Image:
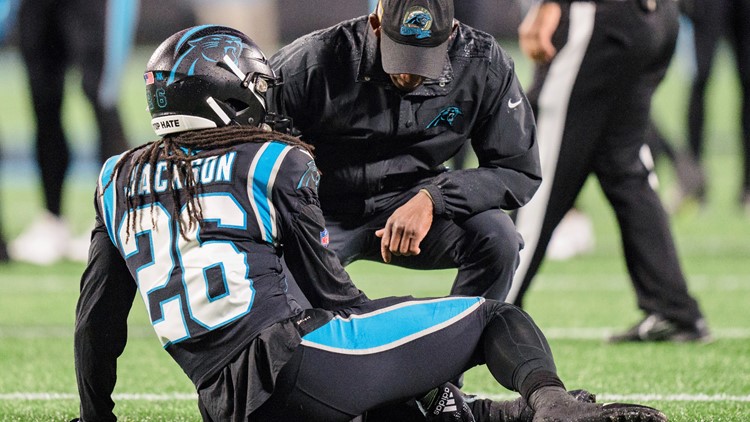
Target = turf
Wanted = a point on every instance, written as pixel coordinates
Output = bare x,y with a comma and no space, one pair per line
577,303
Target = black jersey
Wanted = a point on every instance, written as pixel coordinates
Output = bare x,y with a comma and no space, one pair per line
213,288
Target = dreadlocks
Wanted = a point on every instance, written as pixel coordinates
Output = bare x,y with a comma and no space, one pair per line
179,151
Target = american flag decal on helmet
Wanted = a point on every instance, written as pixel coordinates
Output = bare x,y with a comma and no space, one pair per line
148,77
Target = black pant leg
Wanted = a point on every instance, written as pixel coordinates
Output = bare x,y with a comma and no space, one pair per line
45,53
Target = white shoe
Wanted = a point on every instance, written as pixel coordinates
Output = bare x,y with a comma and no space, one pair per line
78,248
573,236
45,242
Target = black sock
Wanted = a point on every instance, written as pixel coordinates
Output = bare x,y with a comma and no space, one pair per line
537,380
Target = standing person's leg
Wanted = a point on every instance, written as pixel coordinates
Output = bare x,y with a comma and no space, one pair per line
6,23
649,248
45,53
741,28
44,50
3,245
570,114
102,37
708,27
648,245
625,171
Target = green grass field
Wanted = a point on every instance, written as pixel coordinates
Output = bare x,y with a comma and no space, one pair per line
576,302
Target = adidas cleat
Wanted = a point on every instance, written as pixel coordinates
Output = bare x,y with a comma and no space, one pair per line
448,405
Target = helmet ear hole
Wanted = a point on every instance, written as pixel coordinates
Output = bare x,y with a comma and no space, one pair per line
237,105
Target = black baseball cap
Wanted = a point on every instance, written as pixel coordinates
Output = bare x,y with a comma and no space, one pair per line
414,36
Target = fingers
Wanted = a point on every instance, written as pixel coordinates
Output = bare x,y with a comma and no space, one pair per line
385,240
396,240
536,30
409,245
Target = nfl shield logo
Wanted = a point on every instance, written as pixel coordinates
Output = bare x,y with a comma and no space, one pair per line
324,238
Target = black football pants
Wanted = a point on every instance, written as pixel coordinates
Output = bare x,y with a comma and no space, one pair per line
592,104
325,383
484,247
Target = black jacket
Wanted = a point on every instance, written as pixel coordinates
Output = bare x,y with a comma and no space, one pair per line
372,139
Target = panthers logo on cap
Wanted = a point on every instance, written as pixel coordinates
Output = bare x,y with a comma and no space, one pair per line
417,21
212,49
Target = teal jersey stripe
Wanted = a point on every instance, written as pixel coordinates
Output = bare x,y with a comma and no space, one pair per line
390,327
262,176
107,200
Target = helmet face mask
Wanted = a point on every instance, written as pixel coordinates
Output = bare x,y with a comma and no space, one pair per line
207,76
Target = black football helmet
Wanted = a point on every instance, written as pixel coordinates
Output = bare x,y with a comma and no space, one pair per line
207,76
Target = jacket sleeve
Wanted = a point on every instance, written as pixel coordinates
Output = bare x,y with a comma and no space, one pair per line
504,140
106,296
316,269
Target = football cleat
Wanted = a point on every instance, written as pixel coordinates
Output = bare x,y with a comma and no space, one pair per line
657,328
514,410
448,405
594,412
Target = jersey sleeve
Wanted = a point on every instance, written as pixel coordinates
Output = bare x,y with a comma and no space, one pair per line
106,295
505,143
316,269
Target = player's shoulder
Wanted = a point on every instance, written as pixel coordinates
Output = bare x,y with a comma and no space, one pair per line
108,168
276,158
297,168
276,151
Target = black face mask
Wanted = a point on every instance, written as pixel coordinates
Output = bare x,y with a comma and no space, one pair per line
281,123
277,121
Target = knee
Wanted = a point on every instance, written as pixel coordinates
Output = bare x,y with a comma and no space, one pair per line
493,234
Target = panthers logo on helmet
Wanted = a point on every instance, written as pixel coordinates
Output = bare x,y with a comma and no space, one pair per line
211,48
447,115
417,21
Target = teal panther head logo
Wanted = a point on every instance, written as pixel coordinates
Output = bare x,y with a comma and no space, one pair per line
211,49
447,115
417,21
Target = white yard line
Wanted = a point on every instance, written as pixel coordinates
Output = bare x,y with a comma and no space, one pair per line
557,333
634,398
596,333
602,397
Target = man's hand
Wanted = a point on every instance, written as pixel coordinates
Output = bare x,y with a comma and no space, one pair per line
535,32
406,227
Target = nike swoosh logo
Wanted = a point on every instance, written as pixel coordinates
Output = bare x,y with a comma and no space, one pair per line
512,104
